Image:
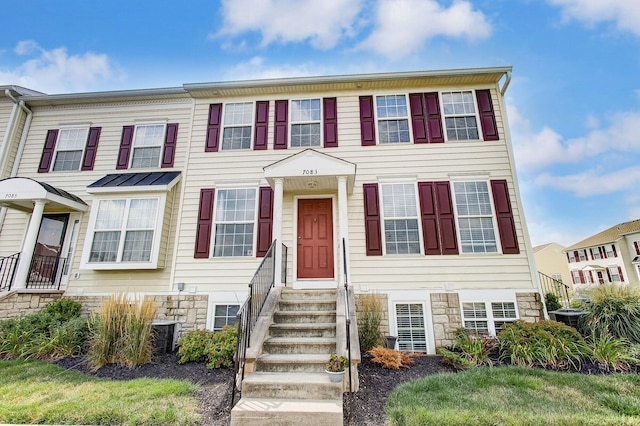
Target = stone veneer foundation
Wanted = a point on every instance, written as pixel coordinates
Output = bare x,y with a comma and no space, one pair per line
446,317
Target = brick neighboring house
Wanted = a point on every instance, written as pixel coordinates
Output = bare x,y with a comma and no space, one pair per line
612,255
404,182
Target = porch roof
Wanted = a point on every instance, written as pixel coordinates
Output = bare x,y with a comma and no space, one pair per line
19,193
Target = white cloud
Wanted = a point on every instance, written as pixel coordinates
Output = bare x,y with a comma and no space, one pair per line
323,23
536,150
624,13
594,181
55,71
404,26
255,68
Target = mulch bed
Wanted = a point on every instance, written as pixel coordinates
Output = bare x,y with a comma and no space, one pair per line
376,383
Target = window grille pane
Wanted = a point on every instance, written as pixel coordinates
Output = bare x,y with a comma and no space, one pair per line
391,106
399,200
142,213
480,327
104,247
475,217
110,214
137,246
411,329
402,236
305,110
474,310
233,240
225,315
393,131
305,135
503,309
236,138
235,205
145,157
67,160
147,136
238,114
500,325
460,119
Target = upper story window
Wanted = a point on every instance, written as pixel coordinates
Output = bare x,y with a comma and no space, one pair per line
393,119
610,250
614,273
576,276
305,122
475,217
147,146
70,148
595,253
237,125
582,254
460,116
400,218
572,256
235,216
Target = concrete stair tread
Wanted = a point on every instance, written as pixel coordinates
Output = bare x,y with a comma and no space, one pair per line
302,313
304,325
303,378
300,340
311,406
294,358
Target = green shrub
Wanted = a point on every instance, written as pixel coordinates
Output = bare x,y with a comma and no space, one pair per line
547,344
369,320
613,309
121,332
64,309
552,302
68,339
611,353
469,350
217,348
454,359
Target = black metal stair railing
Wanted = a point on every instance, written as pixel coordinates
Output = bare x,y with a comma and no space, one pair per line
8,270
261,284
46,272
556,287
347,315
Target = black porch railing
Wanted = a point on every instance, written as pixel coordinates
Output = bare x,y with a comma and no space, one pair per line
556,287
8,270
46,272
347,315
262,282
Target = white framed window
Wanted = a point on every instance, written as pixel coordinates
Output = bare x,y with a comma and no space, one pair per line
609,250
557,277
575,274
582,254
124,233
306,119
460,118
235,217
411,327
70,148
148,141
572,256
614,272
392,116
400,218
224,315
595,253
237,125
488,317
476,228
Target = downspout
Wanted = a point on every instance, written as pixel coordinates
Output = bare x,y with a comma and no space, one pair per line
10,126
506,84
23,140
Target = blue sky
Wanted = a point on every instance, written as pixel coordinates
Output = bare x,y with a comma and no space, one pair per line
573,103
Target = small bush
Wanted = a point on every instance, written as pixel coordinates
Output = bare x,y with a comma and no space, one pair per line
369,320
217,348
548,344
611,353
336,363
392,359
613,309
552,302
469,350
121,332
63,309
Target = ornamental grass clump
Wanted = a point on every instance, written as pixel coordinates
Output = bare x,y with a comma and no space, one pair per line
121,332
469,350
613,309
369,321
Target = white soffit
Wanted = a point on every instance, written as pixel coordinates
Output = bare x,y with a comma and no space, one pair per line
20,194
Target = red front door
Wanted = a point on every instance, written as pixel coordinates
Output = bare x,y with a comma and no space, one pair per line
315,238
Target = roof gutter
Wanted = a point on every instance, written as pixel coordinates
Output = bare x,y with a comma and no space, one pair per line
506,83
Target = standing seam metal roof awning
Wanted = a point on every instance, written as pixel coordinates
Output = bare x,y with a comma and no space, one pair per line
142,181
19,193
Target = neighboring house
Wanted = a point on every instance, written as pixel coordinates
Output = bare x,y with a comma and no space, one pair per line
402,183
552,262
612,255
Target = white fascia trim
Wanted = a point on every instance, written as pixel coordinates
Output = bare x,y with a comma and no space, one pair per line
469,176
236,183
397,178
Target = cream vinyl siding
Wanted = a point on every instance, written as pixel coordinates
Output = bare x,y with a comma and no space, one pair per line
111,118
424,162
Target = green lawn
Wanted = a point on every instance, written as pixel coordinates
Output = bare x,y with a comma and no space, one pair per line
38,392
517,396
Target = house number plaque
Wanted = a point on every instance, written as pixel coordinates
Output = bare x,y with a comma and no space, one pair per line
310,171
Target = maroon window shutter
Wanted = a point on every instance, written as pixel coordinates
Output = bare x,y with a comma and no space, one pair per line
504,217
48,151
265,220
603,253
573,278
91,149
637,247
609,275
330,122
213,128
581,276
372,219
367,121
262,126
615,253
446,219
125,147
487,115
170,141
205,223
418,119
621,276
434,119
430,234
280,137
575,256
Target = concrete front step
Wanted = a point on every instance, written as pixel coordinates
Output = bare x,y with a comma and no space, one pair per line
286,412
327,329
290,386
307,305
299,345
292,363
289,294
280,317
